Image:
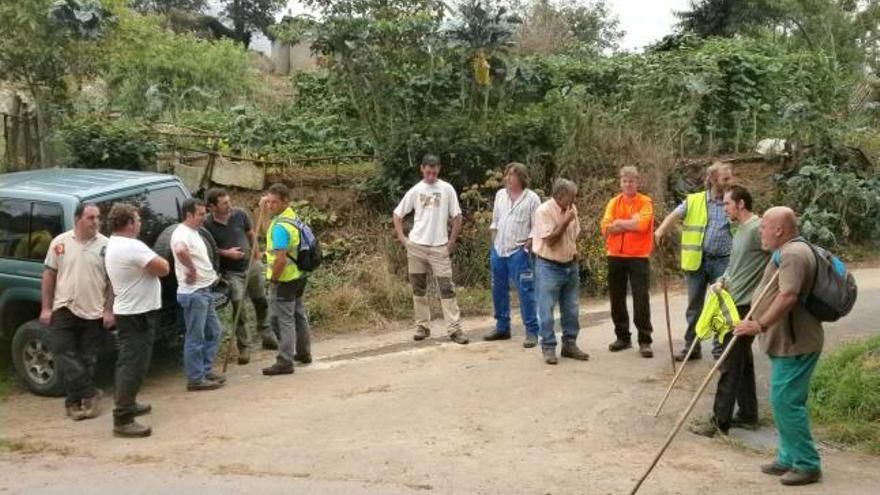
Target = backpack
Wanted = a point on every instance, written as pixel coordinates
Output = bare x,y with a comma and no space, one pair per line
308,256
834,289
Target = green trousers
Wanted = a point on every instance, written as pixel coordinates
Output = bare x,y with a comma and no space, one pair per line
789,385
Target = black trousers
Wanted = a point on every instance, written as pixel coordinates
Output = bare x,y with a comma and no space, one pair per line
135,334
77,342
736,382
636,271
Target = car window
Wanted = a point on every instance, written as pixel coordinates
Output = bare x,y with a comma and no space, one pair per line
158,209
27,228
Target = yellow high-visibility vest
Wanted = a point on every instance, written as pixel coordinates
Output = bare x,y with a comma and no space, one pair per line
693,230
719,315
291,271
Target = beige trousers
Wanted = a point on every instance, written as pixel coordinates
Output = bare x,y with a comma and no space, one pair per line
436,258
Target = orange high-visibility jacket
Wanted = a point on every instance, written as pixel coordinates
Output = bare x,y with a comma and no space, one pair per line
630,244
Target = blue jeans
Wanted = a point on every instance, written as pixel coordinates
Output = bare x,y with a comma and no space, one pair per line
557,282
697,282
515,268
202,336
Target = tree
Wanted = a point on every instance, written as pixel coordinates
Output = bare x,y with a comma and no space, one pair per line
845,29
42,43
561,26
165,7
248,16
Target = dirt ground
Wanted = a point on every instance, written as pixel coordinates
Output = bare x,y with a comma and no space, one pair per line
379,414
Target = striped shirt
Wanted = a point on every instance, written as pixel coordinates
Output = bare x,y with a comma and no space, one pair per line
512,220
718,239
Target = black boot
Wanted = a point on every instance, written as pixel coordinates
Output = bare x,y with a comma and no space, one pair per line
281,367
571,350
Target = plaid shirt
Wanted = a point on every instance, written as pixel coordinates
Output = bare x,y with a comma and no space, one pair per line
718,238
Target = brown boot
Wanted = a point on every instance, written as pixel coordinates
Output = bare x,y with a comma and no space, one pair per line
281,367
796,477
774,469
549,354
132,430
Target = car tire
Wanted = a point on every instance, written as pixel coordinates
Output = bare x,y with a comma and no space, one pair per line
34,359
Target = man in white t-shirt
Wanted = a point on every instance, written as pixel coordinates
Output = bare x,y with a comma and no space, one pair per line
195,277
134,271
429,245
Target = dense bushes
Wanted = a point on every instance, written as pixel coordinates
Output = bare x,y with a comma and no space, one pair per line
104,143
152,71
836,206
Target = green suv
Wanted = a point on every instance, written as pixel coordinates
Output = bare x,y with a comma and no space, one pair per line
37,205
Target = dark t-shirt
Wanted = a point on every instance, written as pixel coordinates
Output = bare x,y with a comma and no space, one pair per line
232,234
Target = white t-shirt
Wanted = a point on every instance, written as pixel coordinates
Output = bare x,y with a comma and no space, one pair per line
137,291
434,205
198,251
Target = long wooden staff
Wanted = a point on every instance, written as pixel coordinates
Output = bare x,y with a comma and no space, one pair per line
700,391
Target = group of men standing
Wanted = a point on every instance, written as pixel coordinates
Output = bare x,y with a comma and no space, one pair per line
724,245
91,281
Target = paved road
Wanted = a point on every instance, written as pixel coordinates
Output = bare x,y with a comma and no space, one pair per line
378,414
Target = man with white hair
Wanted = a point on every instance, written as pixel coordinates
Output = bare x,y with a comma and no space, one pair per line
706,240
554,241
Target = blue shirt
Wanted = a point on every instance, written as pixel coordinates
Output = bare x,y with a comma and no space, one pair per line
280,237
718,237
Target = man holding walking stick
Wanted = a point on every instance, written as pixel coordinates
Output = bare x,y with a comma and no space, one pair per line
793,338
705,246
736,382
236,242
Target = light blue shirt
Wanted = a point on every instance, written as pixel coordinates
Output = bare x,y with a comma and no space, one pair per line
280,237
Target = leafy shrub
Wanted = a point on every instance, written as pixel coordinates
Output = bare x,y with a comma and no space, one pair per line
835,206
109,143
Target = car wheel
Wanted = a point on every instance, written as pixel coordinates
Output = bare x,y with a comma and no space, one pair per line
34,359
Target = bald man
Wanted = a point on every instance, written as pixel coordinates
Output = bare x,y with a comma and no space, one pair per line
793,339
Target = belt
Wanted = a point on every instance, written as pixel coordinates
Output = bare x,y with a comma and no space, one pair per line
554,262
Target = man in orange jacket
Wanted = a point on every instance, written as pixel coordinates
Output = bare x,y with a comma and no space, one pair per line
628,227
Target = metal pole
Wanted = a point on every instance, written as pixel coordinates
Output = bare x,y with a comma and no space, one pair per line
700,391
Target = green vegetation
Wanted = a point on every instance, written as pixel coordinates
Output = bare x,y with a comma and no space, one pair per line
479,82
845,395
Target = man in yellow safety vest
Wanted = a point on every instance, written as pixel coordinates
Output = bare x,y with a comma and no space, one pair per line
286,283
706,240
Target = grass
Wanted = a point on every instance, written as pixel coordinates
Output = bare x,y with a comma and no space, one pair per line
845,396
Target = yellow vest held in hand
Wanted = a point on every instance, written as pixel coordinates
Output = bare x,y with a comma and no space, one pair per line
291,271
693,230
719,315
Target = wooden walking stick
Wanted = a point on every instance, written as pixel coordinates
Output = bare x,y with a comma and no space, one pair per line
668,324
696,397
677,375
237,313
